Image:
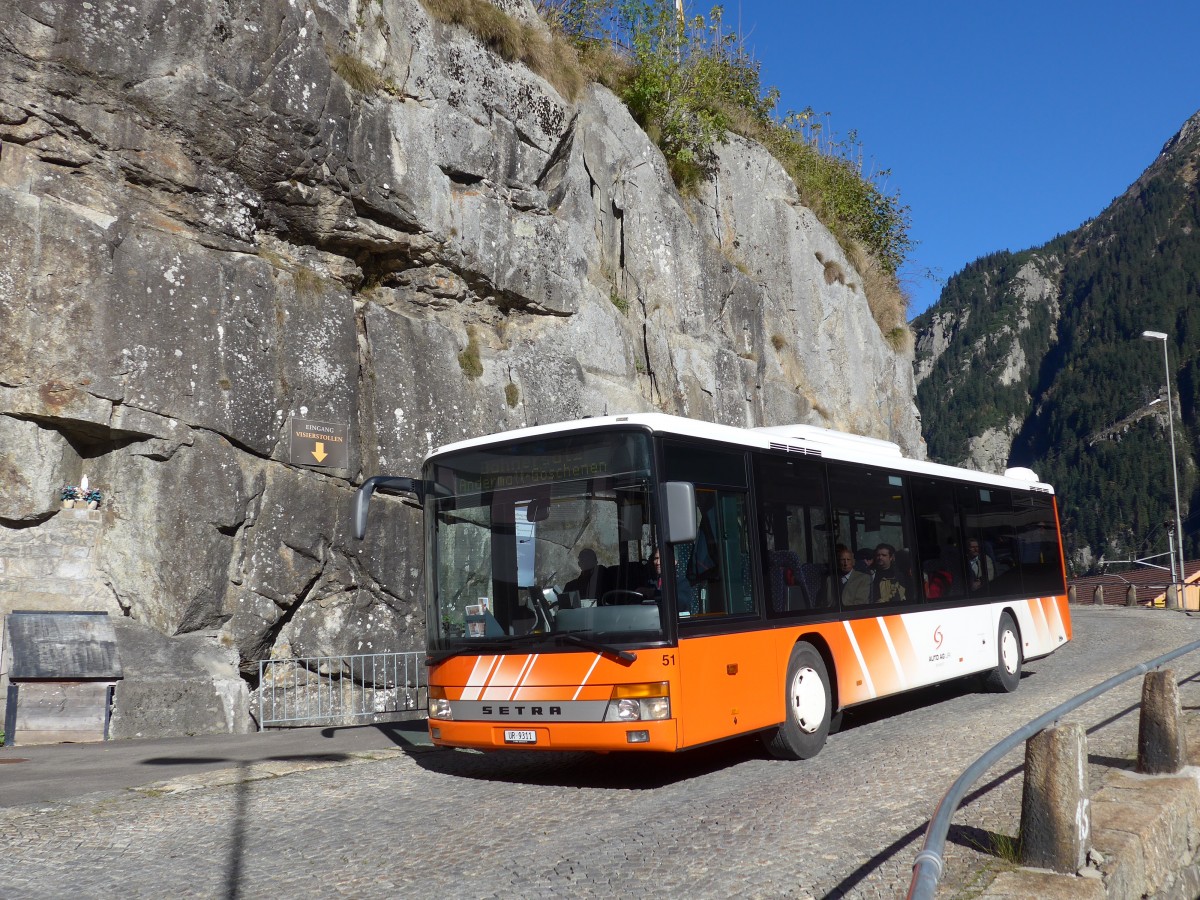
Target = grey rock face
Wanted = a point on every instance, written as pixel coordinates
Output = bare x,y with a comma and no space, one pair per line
184,685
989,451
207,230
933,340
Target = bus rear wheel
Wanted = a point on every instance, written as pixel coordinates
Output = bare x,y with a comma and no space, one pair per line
1007,675
809,707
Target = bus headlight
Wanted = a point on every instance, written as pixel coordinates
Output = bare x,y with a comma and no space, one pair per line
439,706
656,708
639,702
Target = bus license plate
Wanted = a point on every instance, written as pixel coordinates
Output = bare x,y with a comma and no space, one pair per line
520,737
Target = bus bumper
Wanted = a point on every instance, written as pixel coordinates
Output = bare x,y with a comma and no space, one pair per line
595,736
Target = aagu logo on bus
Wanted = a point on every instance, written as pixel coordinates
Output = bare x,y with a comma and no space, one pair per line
937,645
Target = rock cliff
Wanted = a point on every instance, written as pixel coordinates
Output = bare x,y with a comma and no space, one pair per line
217,217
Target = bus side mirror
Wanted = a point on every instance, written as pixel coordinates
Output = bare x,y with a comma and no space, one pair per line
362,497
679,499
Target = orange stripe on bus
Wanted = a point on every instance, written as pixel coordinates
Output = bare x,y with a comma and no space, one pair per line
510,670
1054,616
884,676
905,650
851,679
1064,615
1039,622
478,678
524,674
583,682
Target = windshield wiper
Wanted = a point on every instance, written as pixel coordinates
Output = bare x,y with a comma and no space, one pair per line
432,659
567,637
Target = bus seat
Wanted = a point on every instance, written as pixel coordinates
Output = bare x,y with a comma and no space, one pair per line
523,620
783,573
811,577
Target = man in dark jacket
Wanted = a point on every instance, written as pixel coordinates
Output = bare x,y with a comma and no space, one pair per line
889,584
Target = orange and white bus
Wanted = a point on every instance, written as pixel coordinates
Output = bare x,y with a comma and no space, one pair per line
648,582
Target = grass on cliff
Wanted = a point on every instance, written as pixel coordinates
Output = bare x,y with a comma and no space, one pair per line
689,83
357,73
554,59
468,358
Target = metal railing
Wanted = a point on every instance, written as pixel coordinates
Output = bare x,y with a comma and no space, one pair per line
927,868
340,690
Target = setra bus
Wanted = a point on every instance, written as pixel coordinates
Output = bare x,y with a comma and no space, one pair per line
649,582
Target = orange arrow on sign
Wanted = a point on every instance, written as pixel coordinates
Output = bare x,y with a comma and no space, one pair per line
320,453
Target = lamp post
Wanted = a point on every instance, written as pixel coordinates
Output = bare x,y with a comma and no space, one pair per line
1178,536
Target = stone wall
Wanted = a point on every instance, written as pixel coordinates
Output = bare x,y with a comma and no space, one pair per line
184,685
206,231
1144,840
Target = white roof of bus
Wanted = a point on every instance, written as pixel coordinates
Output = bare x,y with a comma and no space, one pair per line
807,439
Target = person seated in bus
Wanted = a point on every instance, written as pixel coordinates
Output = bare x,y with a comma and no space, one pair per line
589,582
889,583
939,580
853,585
943,575
980,568
651,587
864,560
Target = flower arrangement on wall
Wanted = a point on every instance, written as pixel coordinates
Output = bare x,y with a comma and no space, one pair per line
80,495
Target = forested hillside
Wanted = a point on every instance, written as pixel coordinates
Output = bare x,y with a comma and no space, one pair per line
1034,359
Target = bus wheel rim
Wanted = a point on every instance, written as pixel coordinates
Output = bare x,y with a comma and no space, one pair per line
1009,652
808,699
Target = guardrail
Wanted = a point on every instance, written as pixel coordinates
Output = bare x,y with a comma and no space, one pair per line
340,690
927,868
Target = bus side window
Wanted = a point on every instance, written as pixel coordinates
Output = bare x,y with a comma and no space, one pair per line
1037,533
715,575
794,536
992,555
870,512
938,533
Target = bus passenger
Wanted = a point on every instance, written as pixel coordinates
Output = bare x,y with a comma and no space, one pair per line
853,585
888,584
651,589
981,568
587,582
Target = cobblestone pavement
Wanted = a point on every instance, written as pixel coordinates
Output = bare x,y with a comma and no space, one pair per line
725,821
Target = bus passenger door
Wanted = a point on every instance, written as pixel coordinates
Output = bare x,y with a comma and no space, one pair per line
730,685
728,673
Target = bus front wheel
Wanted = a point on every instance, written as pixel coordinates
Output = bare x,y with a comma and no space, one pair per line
1007,675
809,707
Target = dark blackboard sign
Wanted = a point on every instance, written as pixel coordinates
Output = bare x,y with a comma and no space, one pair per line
62,645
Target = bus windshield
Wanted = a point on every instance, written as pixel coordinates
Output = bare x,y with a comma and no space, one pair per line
540,539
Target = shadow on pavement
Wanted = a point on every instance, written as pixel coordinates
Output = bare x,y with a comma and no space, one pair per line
286,757
625,771
964,836
237,842
411,734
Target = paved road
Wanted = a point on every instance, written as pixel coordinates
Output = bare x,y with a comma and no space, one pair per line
722,822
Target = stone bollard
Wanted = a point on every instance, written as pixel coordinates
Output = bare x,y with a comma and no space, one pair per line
1098,595
1172,597
1162,747
1072,595
1055,819
1131,596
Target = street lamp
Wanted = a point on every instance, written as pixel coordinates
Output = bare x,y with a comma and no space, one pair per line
1178,536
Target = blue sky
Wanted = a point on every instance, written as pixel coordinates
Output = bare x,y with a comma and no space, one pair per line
1004,124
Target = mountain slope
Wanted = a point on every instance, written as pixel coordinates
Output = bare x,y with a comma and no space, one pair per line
1033,359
